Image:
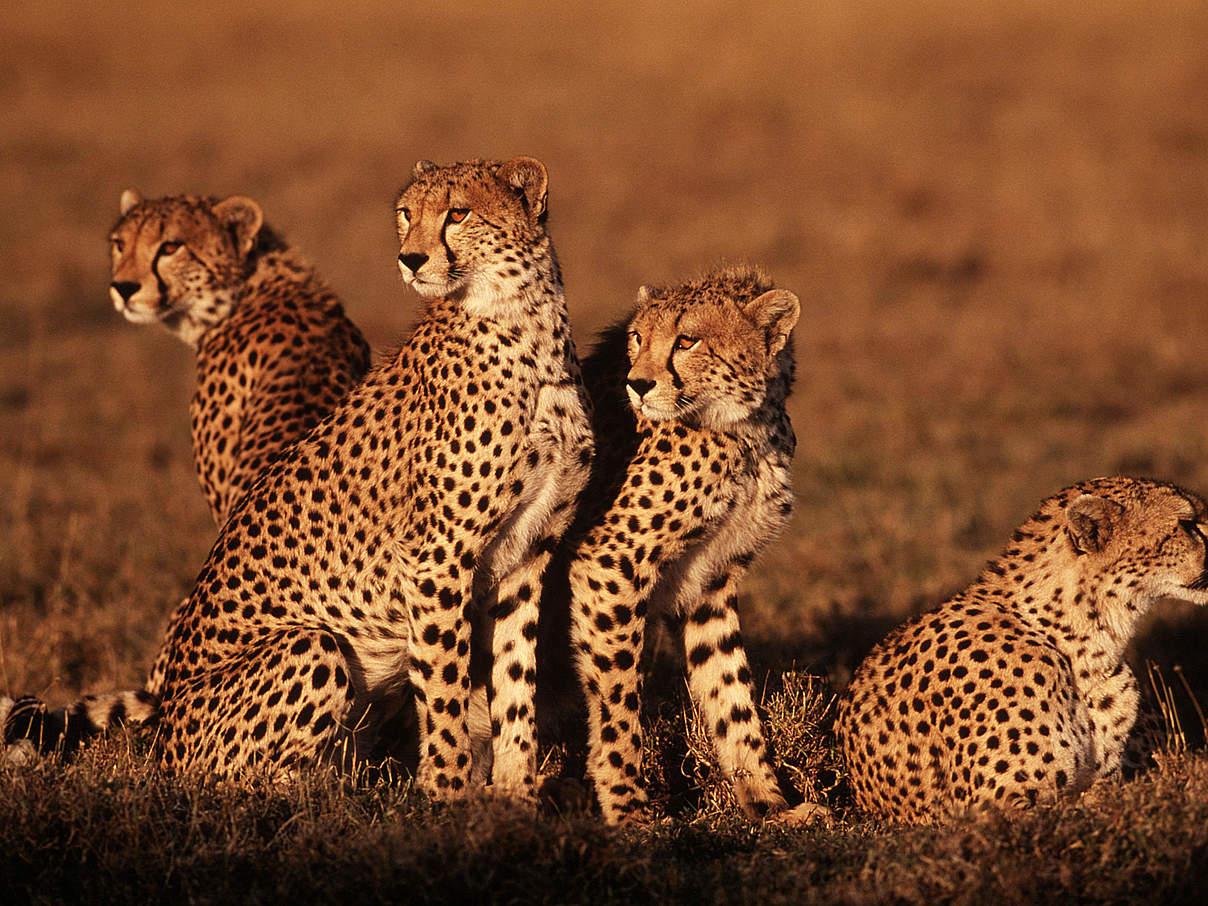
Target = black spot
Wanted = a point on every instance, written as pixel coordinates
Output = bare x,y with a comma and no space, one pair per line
319,678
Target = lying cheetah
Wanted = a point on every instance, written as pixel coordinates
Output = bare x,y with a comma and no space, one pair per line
440,483
275,353
701,490
1014,691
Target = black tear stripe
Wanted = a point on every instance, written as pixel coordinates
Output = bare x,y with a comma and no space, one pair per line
676,381
449,256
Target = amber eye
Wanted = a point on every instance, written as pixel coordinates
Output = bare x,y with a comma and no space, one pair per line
635,338
686,342
118,245
457,215
169,248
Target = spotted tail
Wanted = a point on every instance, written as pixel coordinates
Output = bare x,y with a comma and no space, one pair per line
28,723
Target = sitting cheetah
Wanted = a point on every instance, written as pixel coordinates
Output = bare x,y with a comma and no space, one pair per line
275,353
705,484
1014,691
440,483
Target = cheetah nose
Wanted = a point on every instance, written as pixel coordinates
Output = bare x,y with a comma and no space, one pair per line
413,261
125,289
640,385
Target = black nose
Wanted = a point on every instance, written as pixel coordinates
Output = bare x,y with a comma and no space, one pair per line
640,386
125,289
414,261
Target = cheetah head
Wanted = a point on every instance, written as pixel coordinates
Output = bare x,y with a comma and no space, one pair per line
470,230
1139,541
709,351
177,261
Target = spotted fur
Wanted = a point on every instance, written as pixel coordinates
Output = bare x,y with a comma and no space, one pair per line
436,488
691,501
275,353
1015,691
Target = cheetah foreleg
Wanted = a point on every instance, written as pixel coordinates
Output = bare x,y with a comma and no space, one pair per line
440,676
514,677
609,594
720,681
562,444
1113,704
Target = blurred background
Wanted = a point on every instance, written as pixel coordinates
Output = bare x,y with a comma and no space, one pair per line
995,214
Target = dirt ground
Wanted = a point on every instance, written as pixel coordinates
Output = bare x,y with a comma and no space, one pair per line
995,214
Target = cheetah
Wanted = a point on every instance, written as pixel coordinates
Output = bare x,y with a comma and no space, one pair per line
700,490
1015,690
275,353
437,488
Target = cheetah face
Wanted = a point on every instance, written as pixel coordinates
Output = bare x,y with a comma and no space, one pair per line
467,230
175,260
706,361
1147,544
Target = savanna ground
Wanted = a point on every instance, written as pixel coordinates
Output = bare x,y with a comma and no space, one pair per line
996,215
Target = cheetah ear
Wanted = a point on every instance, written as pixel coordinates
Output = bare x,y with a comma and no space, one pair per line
421,167
644,294
129,199
527,176
776,312
1091,522
243,218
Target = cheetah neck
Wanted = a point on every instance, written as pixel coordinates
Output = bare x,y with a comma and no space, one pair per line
277,275
754,431
278,269
197,322
533,292
531,325
1088,620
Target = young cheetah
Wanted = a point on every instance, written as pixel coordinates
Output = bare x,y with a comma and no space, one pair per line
704,486
275,353
1014,691
441,483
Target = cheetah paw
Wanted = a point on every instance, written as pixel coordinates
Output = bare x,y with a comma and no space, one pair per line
21,753
564,795
803,815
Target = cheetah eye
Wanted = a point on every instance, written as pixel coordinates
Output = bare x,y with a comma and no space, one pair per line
118,245
457,215
404,214
683,342
635,338
170,248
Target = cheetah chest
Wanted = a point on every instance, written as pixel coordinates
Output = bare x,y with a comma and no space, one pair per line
734,496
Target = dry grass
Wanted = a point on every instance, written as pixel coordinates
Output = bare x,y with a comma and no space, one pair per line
996,216
684,777
109,828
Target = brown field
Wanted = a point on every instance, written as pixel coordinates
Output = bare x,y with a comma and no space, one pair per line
996,217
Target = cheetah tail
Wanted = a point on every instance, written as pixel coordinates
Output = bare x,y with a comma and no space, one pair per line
27,722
